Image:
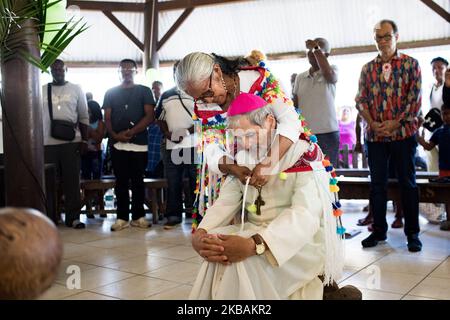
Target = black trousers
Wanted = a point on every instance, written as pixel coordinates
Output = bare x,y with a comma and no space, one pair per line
66,158
180,163
129,166
400,155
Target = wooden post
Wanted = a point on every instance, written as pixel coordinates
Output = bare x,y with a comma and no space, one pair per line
22,128
150,59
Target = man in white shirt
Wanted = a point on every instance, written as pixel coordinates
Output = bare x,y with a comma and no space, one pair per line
68,103
176,123
439,65
314,93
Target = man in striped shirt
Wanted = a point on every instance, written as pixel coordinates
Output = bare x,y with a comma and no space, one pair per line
389,99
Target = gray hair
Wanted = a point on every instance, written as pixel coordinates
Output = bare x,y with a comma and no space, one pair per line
194,67
256,117
391,22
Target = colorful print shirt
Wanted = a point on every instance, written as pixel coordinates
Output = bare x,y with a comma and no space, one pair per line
391,91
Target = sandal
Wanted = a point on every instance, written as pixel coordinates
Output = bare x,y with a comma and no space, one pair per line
365,221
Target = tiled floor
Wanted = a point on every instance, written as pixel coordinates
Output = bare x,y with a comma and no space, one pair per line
158,264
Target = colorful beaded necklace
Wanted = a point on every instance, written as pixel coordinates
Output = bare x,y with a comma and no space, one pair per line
210,127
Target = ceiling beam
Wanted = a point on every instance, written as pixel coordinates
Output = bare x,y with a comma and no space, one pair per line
107,6
184,4
363,49
139,7
124,29
174,27
438,9
287,55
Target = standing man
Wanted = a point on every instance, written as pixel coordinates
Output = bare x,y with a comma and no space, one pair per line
157,89
439,65
155,167
177,126
314,93
389,99
129,109
68,104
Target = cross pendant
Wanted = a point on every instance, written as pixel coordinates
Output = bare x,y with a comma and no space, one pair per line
259,202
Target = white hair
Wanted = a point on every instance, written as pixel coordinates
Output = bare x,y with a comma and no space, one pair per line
256,117
195,67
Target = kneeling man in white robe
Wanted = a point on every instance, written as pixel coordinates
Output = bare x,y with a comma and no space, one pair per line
288,236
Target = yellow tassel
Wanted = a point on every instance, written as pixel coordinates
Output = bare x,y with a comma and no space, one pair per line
283,175
334,188
251,208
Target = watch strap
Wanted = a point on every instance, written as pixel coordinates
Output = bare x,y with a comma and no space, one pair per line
257,238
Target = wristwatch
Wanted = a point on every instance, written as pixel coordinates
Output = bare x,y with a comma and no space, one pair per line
260,246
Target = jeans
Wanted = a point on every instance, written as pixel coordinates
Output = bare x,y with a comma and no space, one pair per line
180,163
402,154
129,166
329,143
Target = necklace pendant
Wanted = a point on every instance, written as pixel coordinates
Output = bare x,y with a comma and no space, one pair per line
126,107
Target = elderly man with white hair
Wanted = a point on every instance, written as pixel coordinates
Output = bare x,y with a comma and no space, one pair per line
314,93
286,234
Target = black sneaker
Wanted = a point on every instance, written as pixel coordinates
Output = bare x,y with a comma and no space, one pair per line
414,244
172,223
373,239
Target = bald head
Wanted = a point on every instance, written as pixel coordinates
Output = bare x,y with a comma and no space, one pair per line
31,251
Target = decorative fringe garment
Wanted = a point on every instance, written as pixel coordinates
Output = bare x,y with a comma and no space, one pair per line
210,128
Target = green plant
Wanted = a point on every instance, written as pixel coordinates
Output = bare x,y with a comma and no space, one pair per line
15,32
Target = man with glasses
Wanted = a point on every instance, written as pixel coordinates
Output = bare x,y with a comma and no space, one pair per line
129,109
389,100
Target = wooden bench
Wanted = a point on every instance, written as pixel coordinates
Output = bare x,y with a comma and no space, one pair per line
344,161
359,188
93,189
364,173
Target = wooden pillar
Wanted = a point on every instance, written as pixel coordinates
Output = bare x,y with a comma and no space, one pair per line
22,128
150,59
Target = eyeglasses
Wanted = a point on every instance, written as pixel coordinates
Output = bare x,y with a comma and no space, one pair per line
386,37
209,93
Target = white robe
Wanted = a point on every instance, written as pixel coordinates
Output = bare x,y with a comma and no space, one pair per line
291,224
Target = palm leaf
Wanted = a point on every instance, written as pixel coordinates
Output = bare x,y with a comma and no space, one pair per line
14,34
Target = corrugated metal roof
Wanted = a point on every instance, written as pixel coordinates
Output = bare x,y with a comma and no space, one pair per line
272,26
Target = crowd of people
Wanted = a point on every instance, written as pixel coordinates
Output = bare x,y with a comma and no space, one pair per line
228,129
